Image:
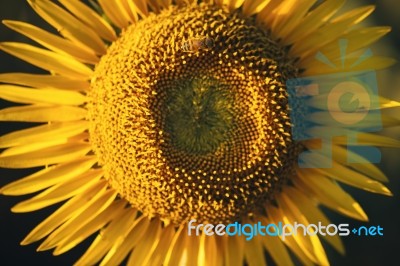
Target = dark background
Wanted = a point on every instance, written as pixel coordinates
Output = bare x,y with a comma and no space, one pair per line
383,211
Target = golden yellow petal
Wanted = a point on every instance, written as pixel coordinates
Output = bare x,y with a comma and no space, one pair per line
376,63
132,14
115,11
90,18
60,192
69,26
48,60
233,252
329,193
154,5
124,245
53,42
98,222
57,154
175,252
118,228
276,216
80,218
35,96
344,155
192,248
62,214
275,247
310,244
331,31
144,246
165,3
254,252
48,177
315,19
42,113
208,252
314,216
139,6
45,81
356,39
54,131
251,7
161,250
286,20
369,139
266,15
344,174
34,146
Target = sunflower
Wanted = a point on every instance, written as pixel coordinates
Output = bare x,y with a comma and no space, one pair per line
158,112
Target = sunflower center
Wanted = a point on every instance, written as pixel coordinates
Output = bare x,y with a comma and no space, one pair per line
199,114
189,115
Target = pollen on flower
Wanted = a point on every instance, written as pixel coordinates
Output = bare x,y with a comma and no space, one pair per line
203,135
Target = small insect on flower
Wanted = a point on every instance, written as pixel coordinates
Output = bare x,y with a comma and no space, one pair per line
195,44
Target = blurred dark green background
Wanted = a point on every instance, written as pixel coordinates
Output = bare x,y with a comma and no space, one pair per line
383,211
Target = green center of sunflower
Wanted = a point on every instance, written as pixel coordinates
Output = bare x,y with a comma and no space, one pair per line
199,114
189,115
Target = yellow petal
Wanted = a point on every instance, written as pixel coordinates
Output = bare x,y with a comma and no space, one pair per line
133,16
48,177
66,211
329,193
35,96
286,20
344,174
372,63
93,226
59,192
177,247
41,113
53,42
368,139
275,247
310,244
356,39
91,19
266,15
276,216
139,6
254,253
314,19
233,251
314,216
251,7
119,227
57,154
51,61
45,81
124,245
69,26
161,250
54,131
80,219
116,12
145,242
331,31
35,146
